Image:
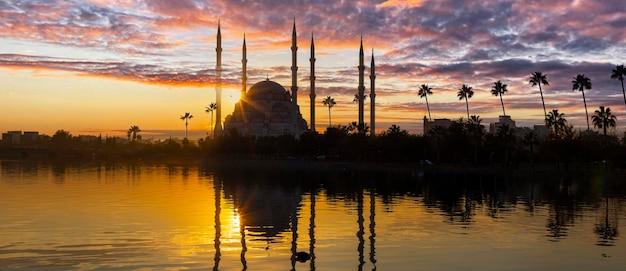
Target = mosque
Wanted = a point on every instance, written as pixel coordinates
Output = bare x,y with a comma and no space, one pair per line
268,109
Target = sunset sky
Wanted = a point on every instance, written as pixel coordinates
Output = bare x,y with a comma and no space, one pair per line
100,66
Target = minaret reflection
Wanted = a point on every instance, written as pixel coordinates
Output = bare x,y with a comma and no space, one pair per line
312,230
294,237
244,247
217,187
373,229
361,231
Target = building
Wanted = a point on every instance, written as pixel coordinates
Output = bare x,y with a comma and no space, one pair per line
269,109
443,123
266,110
540,130
502,120
12,138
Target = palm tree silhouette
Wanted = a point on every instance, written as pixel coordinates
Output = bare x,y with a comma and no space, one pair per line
603,119
186,118
465,92
423,92
132,132
497,90
556,121
329,102
537,79
476,133
618,73
210,109
582,82
356,98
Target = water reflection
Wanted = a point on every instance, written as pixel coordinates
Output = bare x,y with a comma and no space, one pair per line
312,229
607,228
372,229
217,184
104,215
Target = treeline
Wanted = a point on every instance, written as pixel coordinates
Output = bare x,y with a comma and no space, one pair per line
460,144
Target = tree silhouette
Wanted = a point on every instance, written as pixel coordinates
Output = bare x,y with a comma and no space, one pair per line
132,132
582,82
476,133
556,121
329,102
603,119
618,73
497,90
186,118
210,109
356,98
465,92
423,92
536,79
61,138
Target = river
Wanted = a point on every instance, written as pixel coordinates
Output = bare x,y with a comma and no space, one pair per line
70,216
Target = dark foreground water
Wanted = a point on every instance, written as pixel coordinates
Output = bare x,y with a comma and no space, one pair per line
153,217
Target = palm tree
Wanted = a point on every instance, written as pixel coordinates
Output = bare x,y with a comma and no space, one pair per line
356,98
476,133
186,118
465,92
133,130
582,82
210,109
497,90
618,73
556,121
423,92
329,102
603,119
537,79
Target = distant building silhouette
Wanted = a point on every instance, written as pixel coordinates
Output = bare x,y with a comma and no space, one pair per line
12,138
502,120
428,125
540,130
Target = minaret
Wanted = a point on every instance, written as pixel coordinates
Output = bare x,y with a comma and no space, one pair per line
361,94
294,65
218,87
312,79
294,78
372,97
244,67
244,84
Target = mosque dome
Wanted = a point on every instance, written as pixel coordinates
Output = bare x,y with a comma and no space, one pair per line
267,90
266,109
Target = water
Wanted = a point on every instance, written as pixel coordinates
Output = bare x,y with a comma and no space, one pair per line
156,217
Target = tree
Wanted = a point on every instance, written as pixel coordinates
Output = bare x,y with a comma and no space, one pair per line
476,133
556,121
329,102
356,98
465,92
423,92
536,79
186,118
132,132
618,73
210,109
497,90
395,130
603,119
582,82
61,138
